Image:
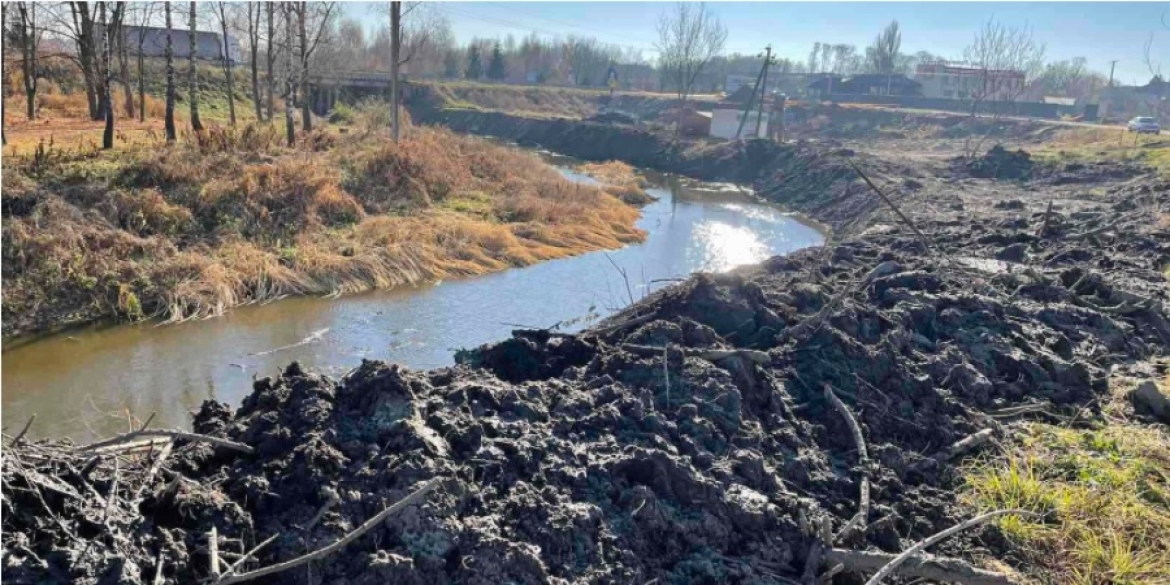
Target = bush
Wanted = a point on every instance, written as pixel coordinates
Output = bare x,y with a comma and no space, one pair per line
342,114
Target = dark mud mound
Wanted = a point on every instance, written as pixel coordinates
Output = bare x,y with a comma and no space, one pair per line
998,163
688,439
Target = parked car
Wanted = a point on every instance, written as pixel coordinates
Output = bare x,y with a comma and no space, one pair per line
1143,125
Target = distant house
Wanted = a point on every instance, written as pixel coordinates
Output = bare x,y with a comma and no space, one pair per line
865,84
1124,102
940,80
210,46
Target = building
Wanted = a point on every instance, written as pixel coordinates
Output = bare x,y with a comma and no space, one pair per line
940,80
883,84
209,45
725,121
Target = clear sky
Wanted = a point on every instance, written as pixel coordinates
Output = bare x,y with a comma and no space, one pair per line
1098,31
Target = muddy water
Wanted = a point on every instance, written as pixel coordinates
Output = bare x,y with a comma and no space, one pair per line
85,383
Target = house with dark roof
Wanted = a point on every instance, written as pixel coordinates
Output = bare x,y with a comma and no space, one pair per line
894,84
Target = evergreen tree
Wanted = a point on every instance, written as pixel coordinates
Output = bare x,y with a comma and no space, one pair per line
451,64
497,69
474,67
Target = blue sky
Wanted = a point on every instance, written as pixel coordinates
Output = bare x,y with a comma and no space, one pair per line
1098,31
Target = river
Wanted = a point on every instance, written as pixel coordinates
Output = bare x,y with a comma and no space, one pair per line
86,383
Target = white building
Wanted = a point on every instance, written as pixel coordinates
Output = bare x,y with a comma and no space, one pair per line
947,81
725,123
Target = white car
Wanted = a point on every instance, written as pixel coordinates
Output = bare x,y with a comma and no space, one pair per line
1143,125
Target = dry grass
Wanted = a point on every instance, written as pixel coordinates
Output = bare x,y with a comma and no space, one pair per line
234,217
621,180
1104,494
1081,144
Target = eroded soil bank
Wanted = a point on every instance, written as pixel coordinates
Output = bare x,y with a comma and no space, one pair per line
688,439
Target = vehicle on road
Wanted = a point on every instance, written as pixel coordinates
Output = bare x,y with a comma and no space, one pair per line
1143,125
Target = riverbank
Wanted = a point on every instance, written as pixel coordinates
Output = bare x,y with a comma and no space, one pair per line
704,434
234,217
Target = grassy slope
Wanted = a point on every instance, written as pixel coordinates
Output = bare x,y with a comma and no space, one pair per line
234,217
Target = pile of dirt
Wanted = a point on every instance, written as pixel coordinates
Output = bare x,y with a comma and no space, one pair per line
691,438
999,163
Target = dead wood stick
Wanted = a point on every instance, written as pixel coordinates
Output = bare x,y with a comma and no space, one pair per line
943,570
336,546
666,372
858,521
816,552
1047,217
24,431
966,444
154,467
1093,232
906,220
213,550
892,566
713,355
149,419
173,434
158,569
252,553
130,446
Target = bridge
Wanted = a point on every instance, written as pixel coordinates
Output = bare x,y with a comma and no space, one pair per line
340,78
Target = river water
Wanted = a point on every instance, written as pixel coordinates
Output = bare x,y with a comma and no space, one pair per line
85,383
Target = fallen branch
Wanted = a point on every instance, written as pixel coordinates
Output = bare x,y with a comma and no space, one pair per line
154,468
24,431
858,521
893,564
1047,218
929,567
250,554
336,546
218,442
906,220
713,355
957,448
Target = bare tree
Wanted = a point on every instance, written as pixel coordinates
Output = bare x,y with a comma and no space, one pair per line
289,84
226,60
312,22
145,14
192,71
271,55
170,58
29,36
77,25
882,55
688,38
124,69
254,50
112,29
1002,53
395,57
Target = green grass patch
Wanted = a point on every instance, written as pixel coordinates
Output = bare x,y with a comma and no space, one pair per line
1104,497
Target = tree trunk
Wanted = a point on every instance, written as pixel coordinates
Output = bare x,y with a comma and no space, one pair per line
170,57
271,43
193,74
111,28
306,114
227,66
395,56
28,36
142,78
124,73
83,24
254,41
290,132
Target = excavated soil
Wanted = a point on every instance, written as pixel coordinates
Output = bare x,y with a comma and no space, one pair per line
687,439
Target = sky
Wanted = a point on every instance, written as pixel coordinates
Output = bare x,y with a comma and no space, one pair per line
1099,31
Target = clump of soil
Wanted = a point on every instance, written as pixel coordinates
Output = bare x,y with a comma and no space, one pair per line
1000,163
687,439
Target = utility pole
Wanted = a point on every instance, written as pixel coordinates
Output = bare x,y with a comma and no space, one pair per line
763,88
751,102
761,81
1112,64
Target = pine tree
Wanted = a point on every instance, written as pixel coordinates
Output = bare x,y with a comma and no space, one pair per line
497,69
474,67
